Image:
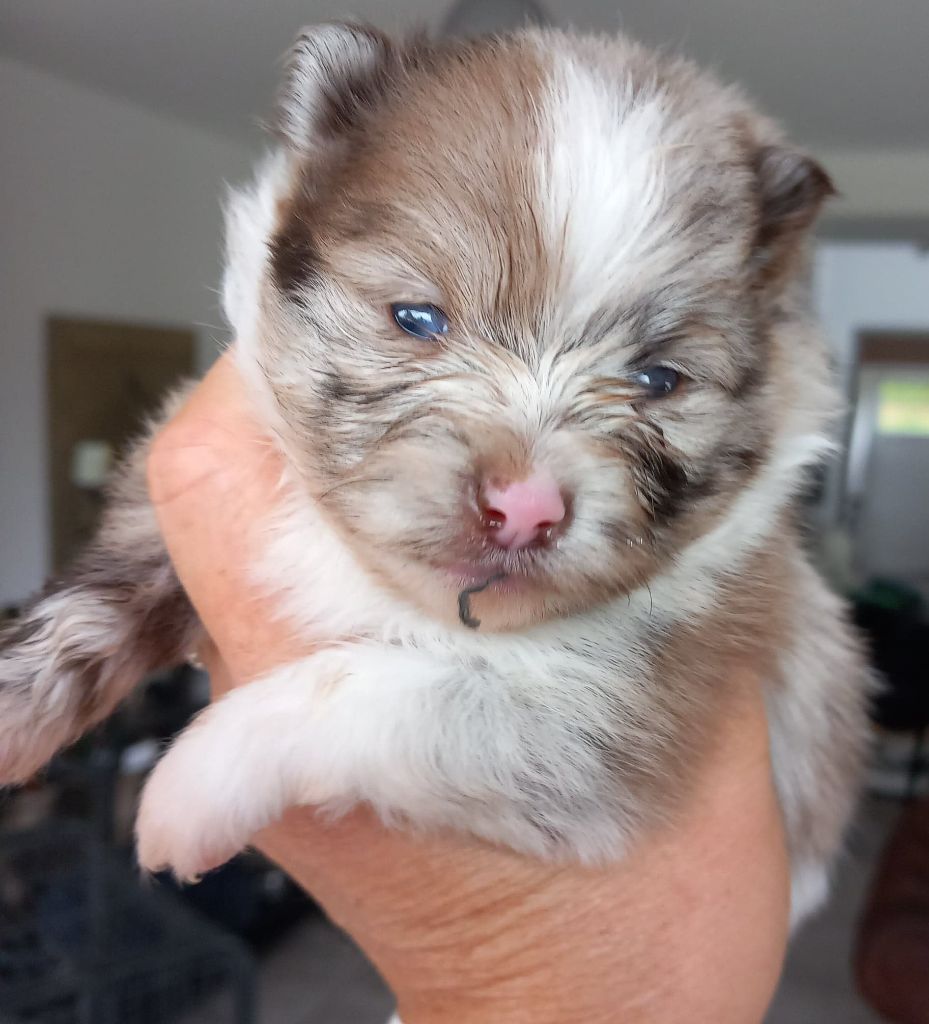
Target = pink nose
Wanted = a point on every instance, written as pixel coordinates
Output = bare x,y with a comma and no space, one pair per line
521,513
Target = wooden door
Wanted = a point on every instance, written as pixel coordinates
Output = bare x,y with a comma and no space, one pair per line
103,379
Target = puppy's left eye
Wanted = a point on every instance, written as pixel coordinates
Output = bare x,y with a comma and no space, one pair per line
422,320
656,381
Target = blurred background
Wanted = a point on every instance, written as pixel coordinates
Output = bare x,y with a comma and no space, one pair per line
119,125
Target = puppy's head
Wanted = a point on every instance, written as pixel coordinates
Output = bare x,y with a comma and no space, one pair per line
522,308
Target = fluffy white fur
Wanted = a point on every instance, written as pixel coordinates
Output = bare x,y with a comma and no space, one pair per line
371,717
560,738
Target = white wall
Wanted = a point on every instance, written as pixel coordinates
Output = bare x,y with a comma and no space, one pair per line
106,210
886,184
862,285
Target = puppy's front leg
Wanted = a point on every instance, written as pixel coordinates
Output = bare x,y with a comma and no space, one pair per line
311,732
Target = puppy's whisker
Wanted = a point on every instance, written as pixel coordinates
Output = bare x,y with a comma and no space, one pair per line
356,481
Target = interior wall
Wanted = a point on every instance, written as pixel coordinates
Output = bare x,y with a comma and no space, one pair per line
866,286
861,285
107,211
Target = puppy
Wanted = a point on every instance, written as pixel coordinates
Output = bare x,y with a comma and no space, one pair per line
527,318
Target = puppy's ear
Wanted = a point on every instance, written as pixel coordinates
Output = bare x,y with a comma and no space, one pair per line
334,74
792,188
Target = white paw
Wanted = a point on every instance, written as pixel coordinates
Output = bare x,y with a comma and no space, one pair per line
192,818
236,769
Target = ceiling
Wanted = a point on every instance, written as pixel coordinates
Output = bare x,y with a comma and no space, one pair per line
840,73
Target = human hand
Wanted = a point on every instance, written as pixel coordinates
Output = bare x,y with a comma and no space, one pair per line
690,927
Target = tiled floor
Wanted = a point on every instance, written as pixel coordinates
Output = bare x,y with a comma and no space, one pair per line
318,977
817,984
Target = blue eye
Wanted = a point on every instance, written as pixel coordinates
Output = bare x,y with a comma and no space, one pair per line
422,320
656,381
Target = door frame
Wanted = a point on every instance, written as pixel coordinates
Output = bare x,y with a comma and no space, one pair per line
883,350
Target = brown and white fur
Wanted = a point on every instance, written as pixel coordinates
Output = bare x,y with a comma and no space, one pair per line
581,209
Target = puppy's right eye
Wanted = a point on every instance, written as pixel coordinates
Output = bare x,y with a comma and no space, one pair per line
657,381
422,320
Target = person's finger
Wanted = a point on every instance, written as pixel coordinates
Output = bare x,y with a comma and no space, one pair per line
213,478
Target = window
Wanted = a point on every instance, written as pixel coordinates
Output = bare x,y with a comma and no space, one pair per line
903,405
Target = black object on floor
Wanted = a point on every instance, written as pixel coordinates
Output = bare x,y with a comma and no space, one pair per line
83,942
249,897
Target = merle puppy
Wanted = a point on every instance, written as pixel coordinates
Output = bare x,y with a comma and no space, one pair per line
527,319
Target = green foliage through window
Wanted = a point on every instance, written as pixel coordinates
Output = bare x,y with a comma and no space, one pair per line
903,406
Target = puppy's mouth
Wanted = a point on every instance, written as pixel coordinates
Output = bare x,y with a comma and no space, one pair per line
472,574
516,574
509,573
